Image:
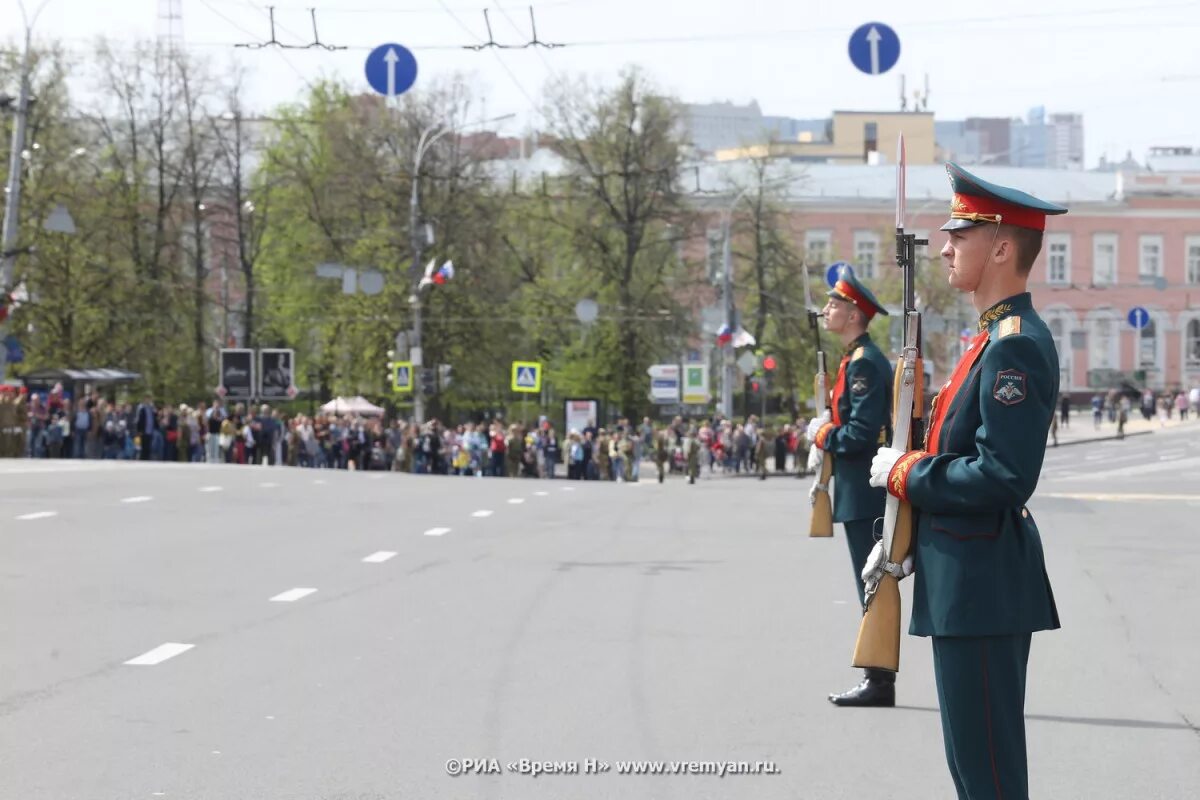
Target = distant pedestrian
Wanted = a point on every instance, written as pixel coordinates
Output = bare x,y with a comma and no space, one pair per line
1065,405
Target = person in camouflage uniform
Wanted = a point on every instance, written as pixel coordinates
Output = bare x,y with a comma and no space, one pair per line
692,445
603,462
662,452
760,452
7,418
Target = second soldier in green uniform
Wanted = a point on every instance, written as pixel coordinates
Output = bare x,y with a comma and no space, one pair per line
861,420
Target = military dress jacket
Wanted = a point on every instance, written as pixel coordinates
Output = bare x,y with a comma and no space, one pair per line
979,565
861,401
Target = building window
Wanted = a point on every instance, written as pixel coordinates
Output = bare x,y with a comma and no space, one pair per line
817,247
1193,343
1058,262
1104,259
1148,345
1064,355
1193,259
866,249
1150,257
715,257
1101,344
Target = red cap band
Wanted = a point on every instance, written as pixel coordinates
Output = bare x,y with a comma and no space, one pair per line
850,293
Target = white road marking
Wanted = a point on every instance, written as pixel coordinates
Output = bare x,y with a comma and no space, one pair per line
1172,454
1129,497
291,595
211,488
159,654
39,515
541,494
516,501
568,488
840,602
268,485
1095,457
437,531
139,499
319,481
379,558
377,477
482,513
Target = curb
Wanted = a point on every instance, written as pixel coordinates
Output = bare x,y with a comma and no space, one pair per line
1050,445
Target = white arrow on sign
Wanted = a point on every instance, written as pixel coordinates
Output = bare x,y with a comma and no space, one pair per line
873,38
391,58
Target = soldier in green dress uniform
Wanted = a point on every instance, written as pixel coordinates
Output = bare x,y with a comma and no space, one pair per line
861,420
981,587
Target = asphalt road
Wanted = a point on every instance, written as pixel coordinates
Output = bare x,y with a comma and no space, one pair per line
574,621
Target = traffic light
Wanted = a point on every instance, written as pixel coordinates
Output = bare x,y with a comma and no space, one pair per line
755,386
428,381
769,363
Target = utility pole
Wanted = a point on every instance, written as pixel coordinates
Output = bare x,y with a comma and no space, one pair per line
417,234
12,207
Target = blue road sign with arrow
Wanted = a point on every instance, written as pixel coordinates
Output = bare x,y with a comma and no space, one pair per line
1138,317
391,69
835,271
874,48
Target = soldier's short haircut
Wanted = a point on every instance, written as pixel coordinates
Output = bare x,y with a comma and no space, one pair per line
1028,242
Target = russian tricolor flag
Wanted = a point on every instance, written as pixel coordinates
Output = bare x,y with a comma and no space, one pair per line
444,274
725,335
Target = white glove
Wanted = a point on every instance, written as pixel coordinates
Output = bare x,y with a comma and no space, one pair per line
812,495
881,465
873,570
816,456
815,424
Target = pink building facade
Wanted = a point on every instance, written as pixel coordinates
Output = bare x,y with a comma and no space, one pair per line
1130,241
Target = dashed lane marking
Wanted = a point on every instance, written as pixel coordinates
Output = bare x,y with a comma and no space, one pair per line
292,595
379,558
211,489
159,654
143,498
437,531
516,501
38,515
1129,497
481,513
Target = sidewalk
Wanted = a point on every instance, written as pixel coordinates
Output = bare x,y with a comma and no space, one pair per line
1082,430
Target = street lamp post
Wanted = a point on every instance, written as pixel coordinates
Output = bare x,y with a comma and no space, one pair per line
427,139
727,365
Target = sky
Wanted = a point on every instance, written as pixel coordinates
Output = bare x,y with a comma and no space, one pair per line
1131,69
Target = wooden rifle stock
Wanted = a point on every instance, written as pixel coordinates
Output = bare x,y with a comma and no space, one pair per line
878,644
821,523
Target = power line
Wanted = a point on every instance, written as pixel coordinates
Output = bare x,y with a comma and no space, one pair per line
503,65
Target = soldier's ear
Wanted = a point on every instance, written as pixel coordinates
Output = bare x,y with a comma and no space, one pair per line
1004,250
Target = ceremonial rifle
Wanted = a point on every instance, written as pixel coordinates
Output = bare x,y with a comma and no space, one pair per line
821,523
878,644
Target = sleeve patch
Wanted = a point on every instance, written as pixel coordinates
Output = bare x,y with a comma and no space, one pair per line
858,384
1010,387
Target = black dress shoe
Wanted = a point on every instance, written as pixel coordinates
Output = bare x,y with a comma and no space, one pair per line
869,693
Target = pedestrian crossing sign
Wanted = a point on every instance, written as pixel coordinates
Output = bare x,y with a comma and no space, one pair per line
527,376
402,376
